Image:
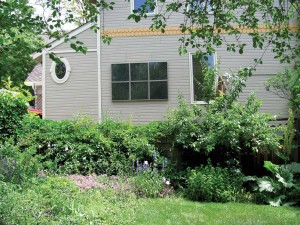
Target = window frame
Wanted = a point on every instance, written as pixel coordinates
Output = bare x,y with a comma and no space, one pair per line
149,81
192,78
189,7
67,74
148,14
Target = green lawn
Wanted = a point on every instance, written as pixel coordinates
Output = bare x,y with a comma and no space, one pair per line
56,200
180,211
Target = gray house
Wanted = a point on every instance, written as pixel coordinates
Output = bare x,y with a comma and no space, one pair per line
139,76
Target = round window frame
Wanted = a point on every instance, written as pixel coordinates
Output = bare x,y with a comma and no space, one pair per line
67,74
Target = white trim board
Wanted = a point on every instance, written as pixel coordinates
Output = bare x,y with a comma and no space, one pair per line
71,51
44,85
99,70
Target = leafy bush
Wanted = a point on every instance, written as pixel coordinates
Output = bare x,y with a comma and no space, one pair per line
286,84
56,200
208,183
82,146
17,166
150,184
13,107
283,188
230,130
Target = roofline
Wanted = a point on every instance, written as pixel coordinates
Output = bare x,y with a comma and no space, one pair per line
74,32
33,83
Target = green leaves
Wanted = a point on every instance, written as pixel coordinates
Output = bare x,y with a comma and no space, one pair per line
13,107
214,23
283,187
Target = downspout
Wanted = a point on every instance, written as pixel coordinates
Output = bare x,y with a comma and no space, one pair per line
44,85
99,68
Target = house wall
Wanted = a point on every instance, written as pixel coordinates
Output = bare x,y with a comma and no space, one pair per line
79,94
135,46
128,50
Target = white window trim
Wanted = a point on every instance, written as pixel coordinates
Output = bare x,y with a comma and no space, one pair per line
148,14
192,80
67,75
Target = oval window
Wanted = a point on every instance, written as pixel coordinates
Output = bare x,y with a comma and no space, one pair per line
60,72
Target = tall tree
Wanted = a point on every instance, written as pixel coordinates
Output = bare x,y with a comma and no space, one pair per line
19,38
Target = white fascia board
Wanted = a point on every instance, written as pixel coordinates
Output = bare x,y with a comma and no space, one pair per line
33,83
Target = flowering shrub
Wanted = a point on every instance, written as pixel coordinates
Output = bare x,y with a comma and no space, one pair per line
83,146
150,184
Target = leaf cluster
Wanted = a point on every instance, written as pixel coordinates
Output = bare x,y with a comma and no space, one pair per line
283,187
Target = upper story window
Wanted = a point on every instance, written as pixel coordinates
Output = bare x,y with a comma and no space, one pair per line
199,68
200,6
136,4
140,81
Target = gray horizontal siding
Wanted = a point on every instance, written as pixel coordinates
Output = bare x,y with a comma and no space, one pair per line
117,18
145,49
88,37
79,94
157,49
271,102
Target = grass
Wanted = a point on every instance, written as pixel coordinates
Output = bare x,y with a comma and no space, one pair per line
56,200
180,211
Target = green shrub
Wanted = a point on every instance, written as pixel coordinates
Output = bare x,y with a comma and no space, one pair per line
56,200
83,146
72,146
224,131
13,107
282,188
150,184
17,166
208,183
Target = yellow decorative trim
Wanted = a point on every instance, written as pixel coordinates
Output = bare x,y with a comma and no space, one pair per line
143,32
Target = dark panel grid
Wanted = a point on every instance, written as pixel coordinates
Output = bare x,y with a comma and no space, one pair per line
139,90
139,71
120,72
158,70
120,91
158,90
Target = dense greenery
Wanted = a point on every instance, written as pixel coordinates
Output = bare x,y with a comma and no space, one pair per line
225,127
19,38
286,85
208,183
56,200
82,146
283,187
13,107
